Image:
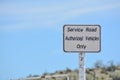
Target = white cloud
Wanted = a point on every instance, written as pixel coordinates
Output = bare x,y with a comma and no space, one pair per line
31,16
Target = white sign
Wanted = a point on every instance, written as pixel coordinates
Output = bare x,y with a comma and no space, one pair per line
82,38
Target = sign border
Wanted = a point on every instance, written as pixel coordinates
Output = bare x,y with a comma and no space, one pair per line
82,25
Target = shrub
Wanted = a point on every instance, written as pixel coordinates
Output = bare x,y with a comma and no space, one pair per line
116,78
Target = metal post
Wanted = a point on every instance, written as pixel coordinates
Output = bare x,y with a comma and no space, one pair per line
67,77
82,75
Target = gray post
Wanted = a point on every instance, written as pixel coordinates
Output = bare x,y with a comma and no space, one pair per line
67,77
82,75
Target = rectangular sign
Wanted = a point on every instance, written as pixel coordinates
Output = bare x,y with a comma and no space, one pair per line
82,38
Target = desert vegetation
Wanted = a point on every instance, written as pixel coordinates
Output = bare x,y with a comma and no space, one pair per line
99,71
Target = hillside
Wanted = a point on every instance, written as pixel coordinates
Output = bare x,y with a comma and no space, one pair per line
97,73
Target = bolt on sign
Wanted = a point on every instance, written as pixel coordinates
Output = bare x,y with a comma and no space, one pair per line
82,38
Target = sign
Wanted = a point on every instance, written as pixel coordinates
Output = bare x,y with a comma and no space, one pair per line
82,38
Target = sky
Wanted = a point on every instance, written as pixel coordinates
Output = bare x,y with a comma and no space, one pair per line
31,34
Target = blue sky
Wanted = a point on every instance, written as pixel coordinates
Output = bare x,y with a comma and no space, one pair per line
31,34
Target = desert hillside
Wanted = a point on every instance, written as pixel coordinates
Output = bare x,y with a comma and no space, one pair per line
99,72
